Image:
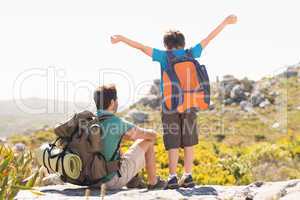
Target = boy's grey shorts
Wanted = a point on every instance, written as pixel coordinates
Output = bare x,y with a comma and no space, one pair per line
180,130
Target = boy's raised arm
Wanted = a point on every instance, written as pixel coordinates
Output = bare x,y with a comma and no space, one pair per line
119,38
231,19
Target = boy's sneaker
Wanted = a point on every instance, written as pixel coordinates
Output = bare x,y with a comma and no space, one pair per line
160,184
172,183
186,181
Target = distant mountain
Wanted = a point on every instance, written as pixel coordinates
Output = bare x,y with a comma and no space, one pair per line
27,115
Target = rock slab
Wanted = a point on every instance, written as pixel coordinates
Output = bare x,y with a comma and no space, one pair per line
287,190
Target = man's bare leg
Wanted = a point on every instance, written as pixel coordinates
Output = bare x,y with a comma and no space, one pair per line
148,147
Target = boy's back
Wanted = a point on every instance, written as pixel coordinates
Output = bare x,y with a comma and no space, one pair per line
183,132
161,57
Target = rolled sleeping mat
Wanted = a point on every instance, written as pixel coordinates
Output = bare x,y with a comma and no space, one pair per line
71,162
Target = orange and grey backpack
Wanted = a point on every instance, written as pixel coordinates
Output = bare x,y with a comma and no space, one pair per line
185,84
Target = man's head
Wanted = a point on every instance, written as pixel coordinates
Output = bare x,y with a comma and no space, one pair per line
174,40
105,98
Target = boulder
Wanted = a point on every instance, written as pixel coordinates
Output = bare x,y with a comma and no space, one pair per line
247,85
227,84
155,88
211,106
226,90
3,140
256,98
247,94
229,78
264,104
274,93
276,125
246,106
228,101
152,101
19,147
237,93
138,116
290,72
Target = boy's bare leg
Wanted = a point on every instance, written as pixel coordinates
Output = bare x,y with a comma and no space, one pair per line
148,147
173,160
188,159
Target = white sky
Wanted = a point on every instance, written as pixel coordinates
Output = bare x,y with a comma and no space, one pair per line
74,36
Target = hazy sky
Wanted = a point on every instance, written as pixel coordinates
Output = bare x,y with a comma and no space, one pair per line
73,37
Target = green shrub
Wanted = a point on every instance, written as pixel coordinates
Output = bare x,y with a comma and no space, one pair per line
14,169
220,137
259,137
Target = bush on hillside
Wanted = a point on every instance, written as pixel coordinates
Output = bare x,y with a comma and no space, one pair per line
15,168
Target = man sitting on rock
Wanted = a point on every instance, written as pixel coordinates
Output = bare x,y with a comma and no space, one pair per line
141,154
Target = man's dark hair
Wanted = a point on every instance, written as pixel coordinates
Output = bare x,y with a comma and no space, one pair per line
103,96
174,39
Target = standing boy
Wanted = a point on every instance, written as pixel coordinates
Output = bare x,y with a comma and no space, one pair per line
179,127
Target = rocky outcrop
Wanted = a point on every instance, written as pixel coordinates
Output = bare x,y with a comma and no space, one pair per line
137,116
291,71
155,88
245,92
153,99
232,91
250,94
286,190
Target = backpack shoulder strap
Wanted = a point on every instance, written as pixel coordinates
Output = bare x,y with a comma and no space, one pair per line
171,58
188,53
104,117
116,150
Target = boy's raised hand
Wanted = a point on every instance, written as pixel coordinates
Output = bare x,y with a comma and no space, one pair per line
120,38
115,39
231,19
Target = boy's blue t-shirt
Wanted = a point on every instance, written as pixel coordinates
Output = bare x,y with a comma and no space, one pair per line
161,56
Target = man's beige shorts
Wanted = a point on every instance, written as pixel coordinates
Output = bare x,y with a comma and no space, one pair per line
133,161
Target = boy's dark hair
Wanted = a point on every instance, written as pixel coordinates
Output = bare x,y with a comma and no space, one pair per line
103,96
174,39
